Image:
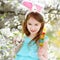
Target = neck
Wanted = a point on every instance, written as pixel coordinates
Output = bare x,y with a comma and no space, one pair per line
32,36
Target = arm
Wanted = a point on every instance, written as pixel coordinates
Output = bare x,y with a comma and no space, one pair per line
18,44
43,51
18,47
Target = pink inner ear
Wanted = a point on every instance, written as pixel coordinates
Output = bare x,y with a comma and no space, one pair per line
28,5
38,7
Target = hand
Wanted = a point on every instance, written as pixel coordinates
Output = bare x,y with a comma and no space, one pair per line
17,41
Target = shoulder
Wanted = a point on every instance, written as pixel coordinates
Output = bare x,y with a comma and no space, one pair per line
46,38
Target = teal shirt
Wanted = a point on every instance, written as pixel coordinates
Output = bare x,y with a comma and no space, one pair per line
28,52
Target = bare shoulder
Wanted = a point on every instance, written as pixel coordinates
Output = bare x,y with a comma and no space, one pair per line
46,38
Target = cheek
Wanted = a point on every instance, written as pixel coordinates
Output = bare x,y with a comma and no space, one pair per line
38,28
28,27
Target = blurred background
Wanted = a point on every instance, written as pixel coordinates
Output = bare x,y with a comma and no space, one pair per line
12,14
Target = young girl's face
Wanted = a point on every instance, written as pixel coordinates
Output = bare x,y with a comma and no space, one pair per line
33,26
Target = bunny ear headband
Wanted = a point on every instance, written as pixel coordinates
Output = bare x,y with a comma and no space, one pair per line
32,7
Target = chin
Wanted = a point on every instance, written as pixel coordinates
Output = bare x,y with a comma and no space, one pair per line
33,33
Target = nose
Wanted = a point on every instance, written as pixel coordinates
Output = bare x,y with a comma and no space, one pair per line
32,28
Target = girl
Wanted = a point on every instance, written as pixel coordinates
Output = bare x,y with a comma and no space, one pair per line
35,43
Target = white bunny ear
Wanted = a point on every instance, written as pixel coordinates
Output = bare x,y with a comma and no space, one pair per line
34,8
